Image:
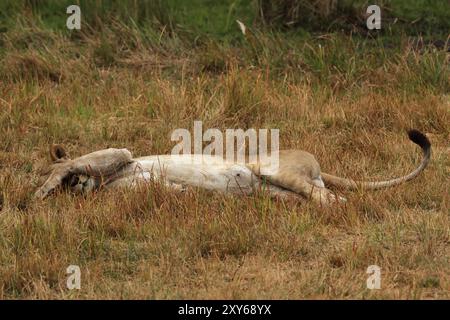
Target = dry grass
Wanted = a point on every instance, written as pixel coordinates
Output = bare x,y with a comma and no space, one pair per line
336,100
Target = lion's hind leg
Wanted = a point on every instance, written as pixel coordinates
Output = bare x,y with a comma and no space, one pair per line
306,187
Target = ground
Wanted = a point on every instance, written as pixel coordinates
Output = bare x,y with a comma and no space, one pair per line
347,99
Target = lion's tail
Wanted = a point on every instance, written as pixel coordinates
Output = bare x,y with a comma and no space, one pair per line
415,136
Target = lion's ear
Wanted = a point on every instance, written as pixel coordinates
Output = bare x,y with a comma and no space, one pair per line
57,152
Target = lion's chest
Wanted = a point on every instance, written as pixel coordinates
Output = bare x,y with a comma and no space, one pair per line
199,171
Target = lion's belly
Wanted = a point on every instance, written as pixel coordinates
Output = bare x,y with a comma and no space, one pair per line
207,172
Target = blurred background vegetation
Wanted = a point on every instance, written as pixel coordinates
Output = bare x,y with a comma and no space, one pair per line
217,18
324,42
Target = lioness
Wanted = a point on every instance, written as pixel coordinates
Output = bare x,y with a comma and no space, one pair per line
298,175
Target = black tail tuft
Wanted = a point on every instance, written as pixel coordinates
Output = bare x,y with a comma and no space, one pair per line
419,138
